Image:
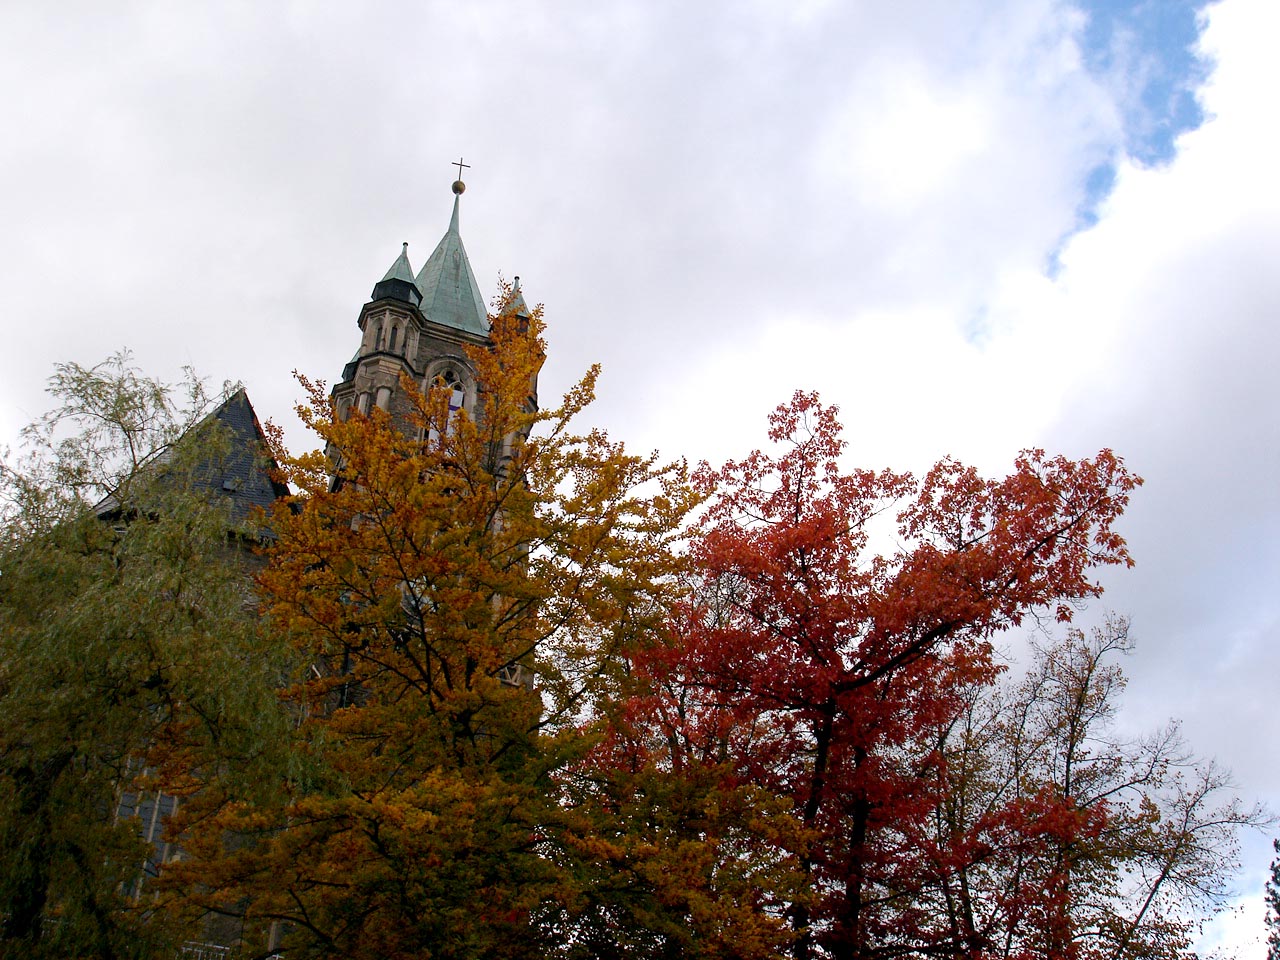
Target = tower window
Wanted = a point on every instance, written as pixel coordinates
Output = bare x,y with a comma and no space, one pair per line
395,333
457,401
384,397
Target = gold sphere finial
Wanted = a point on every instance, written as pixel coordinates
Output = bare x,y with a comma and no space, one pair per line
458,185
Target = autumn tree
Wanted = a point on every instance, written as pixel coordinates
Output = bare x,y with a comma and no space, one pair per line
466,588
679,855
1058,837
125,651
822,667
1273,906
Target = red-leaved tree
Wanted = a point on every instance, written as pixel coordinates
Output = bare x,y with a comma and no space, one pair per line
838,618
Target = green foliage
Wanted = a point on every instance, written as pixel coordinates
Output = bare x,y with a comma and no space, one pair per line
127,652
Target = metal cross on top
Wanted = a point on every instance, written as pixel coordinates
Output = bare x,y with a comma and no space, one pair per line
459,164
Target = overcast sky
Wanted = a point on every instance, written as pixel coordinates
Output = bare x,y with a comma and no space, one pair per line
976,225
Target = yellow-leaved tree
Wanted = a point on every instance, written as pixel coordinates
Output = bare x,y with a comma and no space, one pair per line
461,591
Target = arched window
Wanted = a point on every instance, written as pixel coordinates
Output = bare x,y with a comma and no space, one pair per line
363,404
457,400
377,336
395,333
384,398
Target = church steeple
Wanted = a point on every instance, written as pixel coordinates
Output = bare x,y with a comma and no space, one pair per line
450,295
422,328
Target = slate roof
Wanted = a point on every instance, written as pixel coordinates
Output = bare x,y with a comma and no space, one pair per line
450,294
243,474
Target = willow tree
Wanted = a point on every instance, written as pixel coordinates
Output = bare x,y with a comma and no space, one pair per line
127,654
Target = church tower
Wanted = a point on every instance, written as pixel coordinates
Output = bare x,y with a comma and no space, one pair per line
418,325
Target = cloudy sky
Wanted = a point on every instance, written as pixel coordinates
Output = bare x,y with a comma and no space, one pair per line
977,225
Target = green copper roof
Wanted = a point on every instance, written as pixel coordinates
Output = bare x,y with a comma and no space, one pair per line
400,270
515,304
399,284
450,294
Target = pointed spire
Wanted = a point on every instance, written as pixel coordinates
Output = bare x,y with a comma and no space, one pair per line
398,283
400,270
450,294
515,303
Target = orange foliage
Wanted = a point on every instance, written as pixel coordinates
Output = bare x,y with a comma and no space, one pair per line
463,591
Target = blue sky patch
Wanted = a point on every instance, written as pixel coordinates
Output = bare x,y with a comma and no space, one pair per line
1144,51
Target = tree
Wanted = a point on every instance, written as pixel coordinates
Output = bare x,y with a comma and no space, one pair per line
822,669
1056,837
682,858
125,651
1273,906
466,589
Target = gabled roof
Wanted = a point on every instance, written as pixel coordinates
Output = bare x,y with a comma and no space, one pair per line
450,294
243,473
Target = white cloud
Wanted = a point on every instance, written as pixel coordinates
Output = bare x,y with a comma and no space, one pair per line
903,136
